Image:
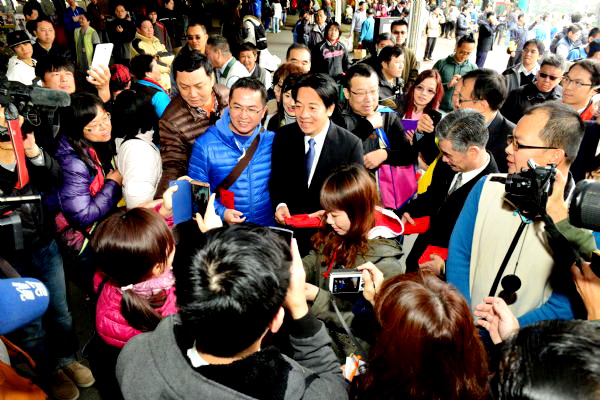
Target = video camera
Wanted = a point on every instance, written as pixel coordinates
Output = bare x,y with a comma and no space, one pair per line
29,101
530,188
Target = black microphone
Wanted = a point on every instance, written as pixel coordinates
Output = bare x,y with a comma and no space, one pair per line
49,97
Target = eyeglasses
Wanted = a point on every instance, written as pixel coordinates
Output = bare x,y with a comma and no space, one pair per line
193,37
249,110
510,285
546,76
512,140
461,100
363,94
424,89
567,81
104,121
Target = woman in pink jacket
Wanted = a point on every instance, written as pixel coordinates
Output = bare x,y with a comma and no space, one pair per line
135,284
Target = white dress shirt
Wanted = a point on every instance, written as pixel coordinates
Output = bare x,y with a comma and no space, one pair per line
469,175
319,140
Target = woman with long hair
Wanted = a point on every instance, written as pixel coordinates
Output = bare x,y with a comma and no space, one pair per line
90,188
353,236
427,346
423,99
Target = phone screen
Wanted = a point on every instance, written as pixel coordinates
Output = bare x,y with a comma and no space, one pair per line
436,116
200,196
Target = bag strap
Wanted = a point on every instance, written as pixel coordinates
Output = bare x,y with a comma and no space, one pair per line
356,343
511,249
241,165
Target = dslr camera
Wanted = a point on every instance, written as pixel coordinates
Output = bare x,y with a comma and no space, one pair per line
529,189
346,281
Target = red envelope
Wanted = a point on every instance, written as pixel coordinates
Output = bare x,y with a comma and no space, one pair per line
227,198
440,251
304,221
421,225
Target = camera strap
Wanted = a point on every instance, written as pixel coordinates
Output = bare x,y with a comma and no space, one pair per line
511,249
356,343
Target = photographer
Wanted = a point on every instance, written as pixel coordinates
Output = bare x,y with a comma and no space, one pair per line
52,343
501,241
212,348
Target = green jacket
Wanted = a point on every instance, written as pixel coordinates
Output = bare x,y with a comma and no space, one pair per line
384,253
448,67
411,68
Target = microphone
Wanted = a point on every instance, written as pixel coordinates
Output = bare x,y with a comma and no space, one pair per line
22,300
49,97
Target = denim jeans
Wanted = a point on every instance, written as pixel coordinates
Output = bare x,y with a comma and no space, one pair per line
50,340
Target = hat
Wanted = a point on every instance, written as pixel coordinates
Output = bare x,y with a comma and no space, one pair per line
594,47
119,76
17,37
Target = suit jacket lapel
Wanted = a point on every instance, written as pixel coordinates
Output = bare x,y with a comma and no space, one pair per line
329,146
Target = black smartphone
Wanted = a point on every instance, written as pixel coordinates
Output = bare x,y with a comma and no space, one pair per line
435,116
286,234
200,196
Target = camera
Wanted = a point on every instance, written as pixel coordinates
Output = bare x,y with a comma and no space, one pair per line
529,189
346,281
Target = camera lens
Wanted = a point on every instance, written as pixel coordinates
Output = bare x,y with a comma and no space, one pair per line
584,211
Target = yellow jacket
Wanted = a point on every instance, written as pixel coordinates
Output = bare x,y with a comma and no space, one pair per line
152,46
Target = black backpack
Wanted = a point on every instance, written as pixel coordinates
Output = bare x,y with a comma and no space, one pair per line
259,32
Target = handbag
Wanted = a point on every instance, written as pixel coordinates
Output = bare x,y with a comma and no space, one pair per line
74,240
397,185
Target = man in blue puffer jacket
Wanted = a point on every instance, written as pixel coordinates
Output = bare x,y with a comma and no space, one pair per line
216,153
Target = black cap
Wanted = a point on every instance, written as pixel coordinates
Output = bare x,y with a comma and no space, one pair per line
17,37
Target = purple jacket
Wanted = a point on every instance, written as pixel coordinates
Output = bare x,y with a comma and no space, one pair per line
76,202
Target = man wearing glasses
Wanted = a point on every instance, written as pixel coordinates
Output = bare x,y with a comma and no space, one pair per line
544,88
580,84
484,91
489,225
216,154
196,38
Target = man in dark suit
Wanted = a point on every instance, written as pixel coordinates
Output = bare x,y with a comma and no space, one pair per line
484,91
462,137
307,151
487,32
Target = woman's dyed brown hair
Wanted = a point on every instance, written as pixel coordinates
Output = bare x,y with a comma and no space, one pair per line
350,189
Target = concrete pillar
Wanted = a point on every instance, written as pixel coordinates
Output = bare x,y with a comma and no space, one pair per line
415,28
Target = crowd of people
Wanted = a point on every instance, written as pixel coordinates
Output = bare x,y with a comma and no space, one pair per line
359,236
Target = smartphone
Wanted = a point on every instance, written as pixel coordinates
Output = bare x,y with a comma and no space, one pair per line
102,54
286,234
200,196
435,115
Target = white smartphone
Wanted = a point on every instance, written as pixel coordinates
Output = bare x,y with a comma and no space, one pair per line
102,54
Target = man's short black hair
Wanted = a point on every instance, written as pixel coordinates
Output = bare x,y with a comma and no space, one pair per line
593,32
295,46
489,14
358,69
573,28
43,19
538,43
398,22
189,61
489,85
563,130
468,38
30,6
233,288
592,67
252,84
53,64
323,84
576,17
388,52
249,47
140,65
195,22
